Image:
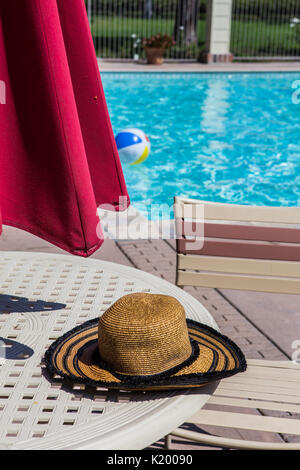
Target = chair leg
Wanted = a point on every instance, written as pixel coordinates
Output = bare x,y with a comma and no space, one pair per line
168,441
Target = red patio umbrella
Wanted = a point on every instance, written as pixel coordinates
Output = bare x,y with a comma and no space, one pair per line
58,157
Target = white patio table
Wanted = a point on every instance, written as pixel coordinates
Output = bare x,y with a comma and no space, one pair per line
41,297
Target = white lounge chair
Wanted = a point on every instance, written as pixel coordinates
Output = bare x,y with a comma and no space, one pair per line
248,248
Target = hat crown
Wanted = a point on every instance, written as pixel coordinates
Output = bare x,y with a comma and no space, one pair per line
144,334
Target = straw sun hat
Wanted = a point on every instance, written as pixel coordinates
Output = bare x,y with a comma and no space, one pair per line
144,342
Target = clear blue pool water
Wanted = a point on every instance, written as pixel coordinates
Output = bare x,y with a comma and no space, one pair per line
215,136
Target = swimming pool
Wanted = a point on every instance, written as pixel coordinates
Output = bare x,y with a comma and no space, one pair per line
215,136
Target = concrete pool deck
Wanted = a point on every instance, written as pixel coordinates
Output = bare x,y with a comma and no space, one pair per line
264,325
259,66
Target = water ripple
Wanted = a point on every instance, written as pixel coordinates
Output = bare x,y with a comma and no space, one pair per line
224,137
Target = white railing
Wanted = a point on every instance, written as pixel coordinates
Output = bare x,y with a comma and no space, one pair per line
119,26
265,29
260,29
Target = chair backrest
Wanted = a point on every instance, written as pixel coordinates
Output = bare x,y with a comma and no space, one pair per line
237,247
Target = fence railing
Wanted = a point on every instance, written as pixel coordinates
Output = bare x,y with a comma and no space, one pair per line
263,29
260,29
119,26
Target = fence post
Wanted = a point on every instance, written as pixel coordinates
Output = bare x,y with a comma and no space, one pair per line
89,11
218,26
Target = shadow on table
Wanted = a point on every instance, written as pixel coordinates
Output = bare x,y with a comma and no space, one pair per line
13,303
78,389
10,349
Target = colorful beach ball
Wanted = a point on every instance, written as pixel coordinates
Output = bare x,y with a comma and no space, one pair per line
133,146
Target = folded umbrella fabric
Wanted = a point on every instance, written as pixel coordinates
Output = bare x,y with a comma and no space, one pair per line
58,157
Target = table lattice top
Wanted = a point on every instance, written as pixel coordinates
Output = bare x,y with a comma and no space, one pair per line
41,297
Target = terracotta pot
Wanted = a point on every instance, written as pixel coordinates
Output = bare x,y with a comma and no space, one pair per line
155,56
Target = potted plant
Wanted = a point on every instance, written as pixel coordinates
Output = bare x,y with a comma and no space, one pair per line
155,47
